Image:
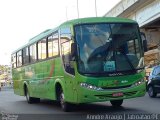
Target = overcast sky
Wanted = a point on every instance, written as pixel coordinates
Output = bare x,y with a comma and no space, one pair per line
21,20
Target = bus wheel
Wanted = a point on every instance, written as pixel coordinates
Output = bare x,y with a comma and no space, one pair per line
64,105
151,92
116,103
31,99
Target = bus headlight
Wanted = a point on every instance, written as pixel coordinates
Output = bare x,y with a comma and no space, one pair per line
89,86
138,82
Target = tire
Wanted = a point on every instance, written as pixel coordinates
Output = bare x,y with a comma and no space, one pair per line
151,92
29,99
66,107
116,103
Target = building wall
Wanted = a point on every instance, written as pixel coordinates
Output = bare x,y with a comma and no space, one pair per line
143,11
147,13
120,7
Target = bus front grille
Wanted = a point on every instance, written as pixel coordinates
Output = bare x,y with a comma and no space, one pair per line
119,87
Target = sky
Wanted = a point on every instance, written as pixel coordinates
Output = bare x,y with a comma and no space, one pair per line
20,20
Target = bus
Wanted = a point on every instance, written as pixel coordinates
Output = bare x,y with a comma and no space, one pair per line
82,61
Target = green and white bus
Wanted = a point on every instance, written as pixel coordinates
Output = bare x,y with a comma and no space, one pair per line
82,61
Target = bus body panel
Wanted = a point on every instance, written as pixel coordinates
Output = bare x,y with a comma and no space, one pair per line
42,77
107,95
110,86
39,78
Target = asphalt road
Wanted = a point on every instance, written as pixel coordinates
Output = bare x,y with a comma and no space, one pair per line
12,104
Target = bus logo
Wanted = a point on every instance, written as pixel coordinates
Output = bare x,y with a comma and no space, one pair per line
124,81
115,74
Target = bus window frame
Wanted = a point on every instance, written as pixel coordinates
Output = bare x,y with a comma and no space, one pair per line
24,48
51,35
17,58
36,43
40,41
61,43
13,67
109,74
30,52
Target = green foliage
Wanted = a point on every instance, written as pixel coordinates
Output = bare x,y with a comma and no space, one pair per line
3,72
3,68
3,76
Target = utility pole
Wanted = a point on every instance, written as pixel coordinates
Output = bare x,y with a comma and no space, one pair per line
77,9
66,13
96,8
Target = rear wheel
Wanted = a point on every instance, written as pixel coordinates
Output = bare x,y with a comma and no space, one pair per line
64,105
116,103
151,92
30,99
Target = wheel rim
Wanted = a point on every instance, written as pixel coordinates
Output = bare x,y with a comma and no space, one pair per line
150,91
62,100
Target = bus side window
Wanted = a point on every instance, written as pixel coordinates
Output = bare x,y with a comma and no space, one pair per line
53,49
42,49
14,61
33,53
25,56
19,58
66,50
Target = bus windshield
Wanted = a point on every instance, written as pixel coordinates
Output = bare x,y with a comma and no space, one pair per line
108,48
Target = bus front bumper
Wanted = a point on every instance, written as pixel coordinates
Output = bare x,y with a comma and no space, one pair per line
87,96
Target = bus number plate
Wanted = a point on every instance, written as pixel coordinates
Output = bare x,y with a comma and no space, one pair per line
117,94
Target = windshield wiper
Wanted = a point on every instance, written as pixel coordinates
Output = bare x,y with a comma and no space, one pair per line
102,50
128,60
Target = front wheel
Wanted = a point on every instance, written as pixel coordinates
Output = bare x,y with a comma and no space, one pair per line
64,105
116,103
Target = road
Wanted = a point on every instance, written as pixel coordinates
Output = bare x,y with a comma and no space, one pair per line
17,105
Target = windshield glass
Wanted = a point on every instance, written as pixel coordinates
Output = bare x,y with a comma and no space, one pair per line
106,48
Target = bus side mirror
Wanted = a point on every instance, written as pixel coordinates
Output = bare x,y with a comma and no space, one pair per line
144,42
73,51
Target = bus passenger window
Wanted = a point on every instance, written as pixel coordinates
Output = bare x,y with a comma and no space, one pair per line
19,58
14,61
25,56
66,50
42,49
53,45
50,46
33,53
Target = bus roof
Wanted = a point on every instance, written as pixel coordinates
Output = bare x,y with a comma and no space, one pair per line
76,22
98,20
